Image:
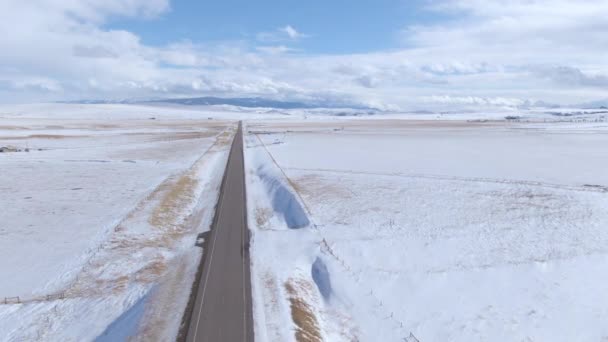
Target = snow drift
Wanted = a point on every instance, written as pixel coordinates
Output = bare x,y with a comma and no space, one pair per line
284,202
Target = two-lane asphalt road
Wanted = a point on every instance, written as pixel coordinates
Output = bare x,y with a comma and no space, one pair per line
222,308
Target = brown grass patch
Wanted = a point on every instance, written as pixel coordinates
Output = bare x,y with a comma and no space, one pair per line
120,283
314,185
151,272
13,128
224,139
173,136
89,285
178,196
41,136
53,136
307,326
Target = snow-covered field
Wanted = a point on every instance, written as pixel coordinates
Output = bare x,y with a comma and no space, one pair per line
384,227
100,216
429,230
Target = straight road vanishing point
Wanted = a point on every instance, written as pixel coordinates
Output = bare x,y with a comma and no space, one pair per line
222,308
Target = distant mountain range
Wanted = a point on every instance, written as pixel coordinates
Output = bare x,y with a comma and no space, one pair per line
602,104
247,102
254,102
260,102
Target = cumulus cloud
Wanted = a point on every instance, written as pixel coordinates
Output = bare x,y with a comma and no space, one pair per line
93,52
473,100
569,76
32,85
515,30
366,81
488,52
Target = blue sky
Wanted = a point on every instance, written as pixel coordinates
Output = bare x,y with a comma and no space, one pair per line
336,27
391,54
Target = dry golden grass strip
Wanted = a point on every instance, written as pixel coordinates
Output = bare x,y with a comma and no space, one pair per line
307,326
178,196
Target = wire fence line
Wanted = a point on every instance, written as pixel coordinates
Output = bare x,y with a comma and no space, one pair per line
12,300
46,298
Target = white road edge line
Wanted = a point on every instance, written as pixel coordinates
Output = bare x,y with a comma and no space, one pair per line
243,242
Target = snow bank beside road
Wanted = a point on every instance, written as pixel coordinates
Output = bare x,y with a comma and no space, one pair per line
284,201
290,282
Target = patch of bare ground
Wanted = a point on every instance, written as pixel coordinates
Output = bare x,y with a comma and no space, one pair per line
224,139
179,194
173,136
13,128
42,136
151,271
262,216
53,136
307,325
216,126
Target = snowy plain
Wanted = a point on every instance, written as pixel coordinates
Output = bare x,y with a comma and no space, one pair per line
432,230
459,226
100,218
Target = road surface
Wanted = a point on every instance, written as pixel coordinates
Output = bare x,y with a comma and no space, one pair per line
222,308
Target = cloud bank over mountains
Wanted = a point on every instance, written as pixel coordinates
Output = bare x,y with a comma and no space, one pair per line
493,52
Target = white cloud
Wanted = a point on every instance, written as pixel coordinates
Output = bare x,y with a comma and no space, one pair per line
569,76
282,34
292,33
99,10
96,51
498,52
473,100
